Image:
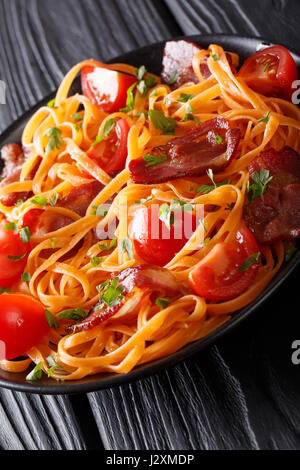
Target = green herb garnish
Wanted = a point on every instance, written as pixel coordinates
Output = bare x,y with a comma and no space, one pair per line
259,185
154,159
253,259
165,124
54,139
162,303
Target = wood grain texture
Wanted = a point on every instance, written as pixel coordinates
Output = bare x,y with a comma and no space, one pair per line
242,393
277,20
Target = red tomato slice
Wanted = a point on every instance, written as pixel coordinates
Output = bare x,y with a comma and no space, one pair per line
22,325
111,153
105,88
11,248
153,241
217,276
271,72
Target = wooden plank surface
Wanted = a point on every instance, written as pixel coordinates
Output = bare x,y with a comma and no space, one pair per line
242,393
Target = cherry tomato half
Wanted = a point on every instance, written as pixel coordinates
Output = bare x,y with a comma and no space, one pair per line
111,153
22,325
271,72
13,256
152,239
105,88
217,276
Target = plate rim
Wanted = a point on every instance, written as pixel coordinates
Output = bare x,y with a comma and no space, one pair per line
160,365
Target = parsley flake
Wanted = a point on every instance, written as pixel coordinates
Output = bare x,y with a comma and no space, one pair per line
51,319
166,215
266,118
165,124
154,159
35,374
39,200
184,98
95,261
126,245
76,314
162,303
290,253
259,185
253,259
130,99
54,140
25,277
173,77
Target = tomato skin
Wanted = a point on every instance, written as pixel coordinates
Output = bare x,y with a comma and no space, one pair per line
264,80
22,325
161,249
111,154
105,88
217,278
11,245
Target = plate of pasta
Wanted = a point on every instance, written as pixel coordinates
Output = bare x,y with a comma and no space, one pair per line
147,208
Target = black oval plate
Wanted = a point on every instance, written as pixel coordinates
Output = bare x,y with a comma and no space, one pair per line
151,56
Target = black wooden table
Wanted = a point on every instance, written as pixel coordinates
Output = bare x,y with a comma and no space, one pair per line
242,393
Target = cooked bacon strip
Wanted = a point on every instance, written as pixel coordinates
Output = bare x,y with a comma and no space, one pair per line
139,283
13,158
41,221
190,155
178,57
276,214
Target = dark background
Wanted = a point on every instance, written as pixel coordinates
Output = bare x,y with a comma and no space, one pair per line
242,393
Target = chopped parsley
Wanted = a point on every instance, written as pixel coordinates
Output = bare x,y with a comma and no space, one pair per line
206,188
77,117
95,261
54,139
52,365
106,247
259,185
154,159
184,98
110,293
130,99
108,127
144,83
166,215
5,290
177,205
25,277
39,200
143,200
189,114
253,259
162,303
53,199
165,124
51,103
266,67
126,246
52,243
51,319
214,56
16,258
35,374
290,253
76,314
24,235
173,77
266,118
219,139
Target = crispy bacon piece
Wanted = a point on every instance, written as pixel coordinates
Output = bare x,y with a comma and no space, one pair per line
276,214
178,57
190,155
13,158
139,283
41,221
